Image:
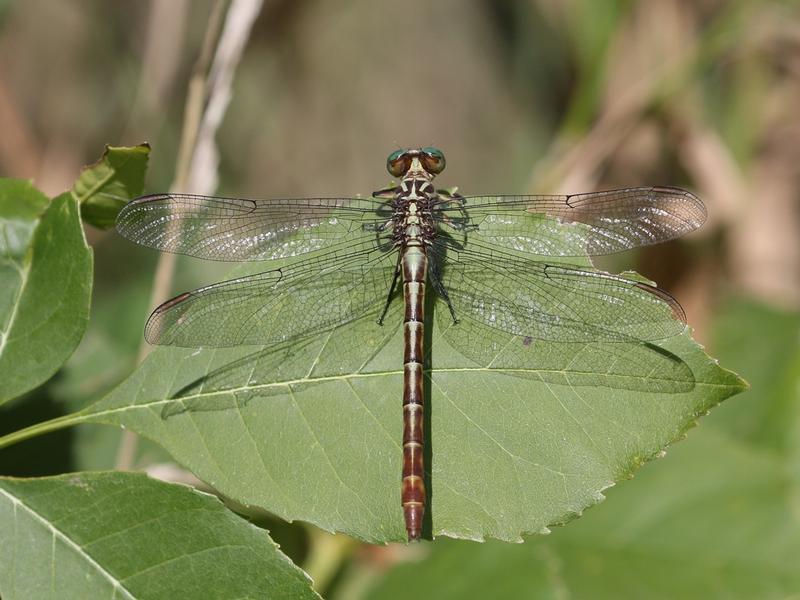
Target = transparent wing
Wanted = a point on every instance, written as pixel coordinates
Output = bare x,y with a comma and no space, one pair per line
240,229
541,301
636,366
608,222
275,306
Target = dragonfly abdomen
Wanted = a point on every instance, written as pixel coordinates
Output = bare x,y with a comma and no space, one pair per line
414,266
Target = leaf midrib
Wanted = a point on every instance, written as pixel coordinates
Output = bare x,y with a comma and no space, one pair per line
89,413
80,199
349,376
25,272
66,539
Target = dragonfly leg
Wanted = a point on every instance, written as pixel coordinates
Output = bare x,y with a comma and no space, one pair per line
450,194
378,227
438,286
461,223
389,192
392,288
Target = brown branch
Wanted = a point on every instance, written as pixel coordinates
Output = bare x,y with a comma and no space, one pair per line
207,99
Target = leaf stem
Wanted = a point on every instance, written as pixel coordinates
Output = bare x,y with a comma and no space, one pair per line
41,428
193,116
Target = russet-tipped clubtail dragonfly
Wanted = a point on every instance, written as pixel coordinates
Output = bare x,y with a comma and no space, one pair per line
481,255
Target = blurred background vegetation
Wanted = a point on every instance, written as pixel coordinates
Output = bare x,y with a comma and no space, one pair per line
522,96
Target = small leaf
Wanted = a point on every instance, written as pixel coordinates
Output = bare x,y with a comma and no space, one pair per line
45,285
124,535
104,187
312,430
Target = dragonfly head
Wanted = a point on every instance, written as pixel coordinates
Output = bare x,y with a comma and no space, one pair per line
426,161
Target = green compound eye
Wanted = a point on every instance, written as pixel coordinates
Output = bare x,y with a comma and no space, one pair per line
395,155
432,160
398,163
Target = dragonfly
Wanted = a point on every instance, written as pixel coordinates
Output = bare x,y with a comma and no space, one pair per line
495,262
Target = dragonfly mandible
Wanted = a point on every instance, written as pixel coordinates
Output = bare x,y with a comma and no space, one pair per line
485,257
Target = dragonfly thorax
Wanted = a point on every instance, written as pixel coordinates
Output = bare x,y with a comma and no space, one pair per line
412,218
416,188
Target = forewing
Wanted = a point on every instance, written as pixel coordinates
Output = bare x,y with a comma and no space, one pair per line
541,301
605,222
240,229
279,305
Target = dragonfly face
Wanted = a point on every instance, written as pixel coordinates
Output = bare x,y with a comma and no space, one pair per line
485,257
416,162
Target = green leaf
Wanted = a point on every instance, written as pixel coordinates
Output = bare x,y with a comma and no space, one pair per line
124,535
312,431
45,285
104,187
717,518
711,520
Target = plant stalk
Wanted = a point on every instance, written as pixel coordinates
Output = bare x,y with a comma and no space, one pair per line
192,118
39,428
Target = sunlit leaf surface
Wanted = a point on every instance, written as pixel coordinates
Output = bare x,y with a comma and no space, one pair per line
312,430
715,519
711,520
124,535
45,285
